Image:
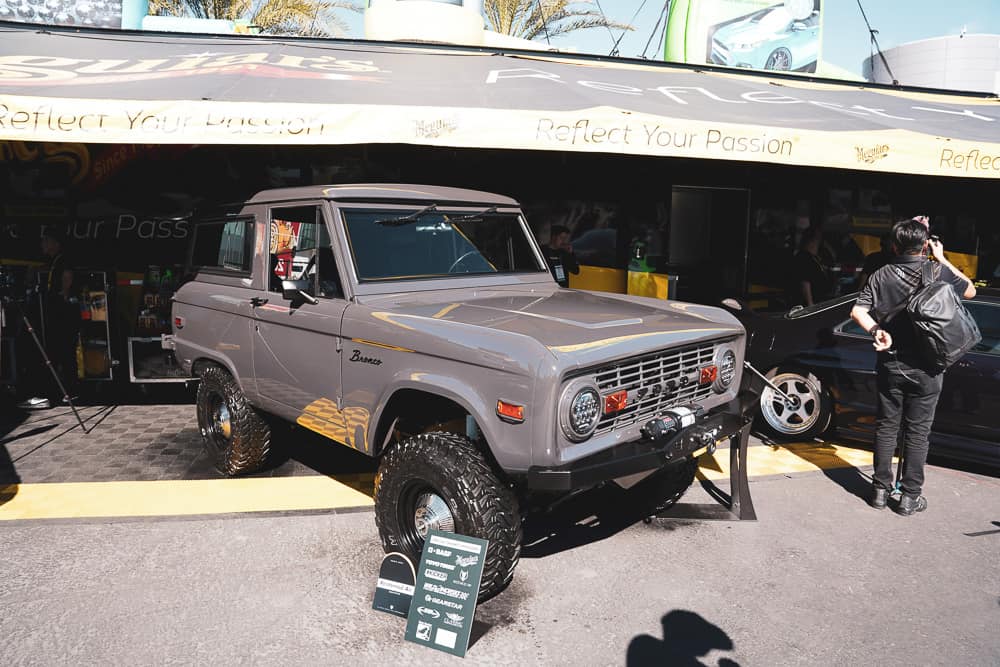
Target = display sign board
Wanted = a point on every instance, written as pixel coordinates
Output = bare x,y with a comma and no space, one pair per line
444,603
753,34
394,589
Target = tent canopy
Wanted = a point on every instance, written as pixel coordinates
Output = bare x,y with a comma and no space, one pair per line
62,85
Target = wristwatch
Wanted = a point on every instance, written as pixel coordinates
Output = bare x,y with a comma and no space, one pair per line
874,330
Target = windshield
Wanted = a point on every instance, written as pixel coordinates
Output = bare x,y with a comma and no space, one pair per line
385,246
799,311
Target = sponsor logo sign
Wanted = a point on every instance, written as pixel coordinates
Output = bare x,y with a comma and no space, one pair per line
451,568
394,588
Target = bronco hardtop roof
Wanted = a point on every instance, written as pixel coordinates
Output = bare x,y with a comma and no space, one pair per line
400,193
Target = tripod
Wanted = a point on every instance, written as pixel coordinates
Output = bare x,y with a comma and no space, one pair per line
52,369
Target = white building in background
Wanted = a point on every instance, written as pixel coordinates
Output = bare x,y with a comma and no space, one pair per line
959,62
446,21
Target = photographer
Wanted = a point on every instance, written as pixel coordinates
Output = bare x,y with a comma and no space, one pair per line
61,313
908,390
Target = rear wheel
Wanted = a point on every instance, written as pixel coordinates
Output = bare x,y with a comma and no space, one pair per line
234,434
806,416
441,481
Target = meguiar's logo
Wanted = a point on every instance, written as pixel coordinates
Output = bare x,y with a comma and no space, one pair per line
26,70
871,154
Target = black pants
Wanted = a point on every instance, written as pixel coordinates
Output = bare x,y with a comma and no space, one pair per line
907,399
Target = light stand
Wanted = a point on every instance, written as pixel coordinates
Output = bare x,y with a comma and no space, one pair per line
41,348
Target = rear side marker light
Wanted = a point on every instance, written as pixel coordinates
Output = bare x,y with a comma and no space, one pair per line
178,322
709,374
615,402
510,412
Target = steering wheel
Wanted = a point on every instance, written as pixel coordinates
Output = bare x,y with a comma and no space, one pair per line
451,269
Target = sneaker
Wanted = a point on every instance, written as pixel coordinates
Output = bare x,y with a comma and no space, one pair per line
908,505
66,399
35,403
878,498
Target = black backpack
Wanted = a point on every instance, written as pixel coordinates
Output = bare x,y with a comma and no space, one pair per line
944,329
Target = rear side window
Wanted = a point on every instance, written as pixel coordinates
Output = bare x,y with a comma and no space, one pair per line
223,245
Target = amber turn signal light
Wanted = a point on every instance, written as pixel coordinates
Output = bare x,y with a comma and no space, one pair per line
709,374
510,412
615,402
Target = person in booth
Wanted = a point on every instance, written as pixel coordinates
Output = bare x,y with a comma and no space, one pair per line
558,253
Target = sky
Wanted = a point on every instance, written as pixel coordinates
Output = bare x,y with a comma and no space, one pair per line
846,41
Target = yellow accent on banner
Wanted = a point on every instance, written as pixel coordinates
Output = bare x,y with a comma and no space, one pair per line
602,129
177,498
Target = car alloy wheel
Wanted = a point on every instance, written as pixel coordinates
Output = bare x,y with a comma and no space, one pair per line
806,414
780,59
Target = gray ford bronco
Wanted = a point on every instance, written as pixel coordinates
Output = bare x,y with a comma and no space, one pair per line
420,325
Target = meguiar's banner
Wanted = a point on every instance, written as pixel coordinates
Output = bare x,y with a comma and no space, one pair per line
754,34
68,87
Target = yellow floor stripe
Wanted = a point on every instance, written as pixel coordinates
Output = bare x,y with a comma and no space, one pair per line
318,492
174,498
786,458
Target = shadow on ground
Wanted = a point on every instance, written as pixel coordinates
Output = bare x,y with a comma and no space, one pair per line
687,639
585,518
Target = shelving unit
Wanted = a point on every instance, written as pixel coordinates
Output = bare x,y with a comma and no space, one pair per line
148,361
95,329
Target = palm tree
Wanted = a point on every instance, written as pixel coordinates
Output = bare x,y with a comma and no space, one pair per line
532,19
312,18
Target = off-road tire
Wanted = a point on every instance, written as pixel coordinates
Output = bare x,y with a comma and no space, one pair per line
664,488
450,466
246,448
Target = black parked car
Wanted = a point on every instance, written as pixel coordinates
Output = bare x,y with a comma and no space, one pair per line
821,356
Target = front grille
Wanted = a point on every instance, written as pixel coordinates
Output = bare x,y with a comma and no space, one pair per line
645,379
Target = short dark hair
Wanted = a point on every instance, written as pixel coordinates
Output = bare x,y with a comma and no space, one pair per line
556,230
908,237
54,233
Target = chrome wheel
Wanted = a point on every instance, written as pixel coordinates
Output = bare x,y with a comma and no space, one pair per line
432,513
222,420
802,413
781,60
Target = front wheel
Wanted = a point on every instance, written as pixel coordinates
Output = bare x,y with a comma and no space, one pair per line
440,481
806,416
780,59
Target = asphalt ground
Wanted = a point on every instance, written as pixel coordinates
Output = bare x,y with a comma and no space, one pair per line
280,568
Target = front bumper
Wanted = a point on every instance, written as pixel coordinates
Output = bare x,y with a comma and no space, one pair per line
638,456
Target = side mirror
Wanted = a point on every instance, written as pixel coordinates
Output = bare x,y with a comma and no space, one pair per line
297,291
732,304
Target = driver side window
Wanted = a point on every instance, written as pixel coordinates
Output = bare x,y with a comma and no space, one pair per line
300,249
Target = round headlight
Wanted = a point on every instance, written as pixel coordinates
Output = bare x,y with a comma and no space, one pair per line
580,410
725,359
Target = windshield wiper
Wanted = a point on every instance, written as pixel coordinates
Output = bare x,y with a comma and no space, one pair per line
407,219
474,217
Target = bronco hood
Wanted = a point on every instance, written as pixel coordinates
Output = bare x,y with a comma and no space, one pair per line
585,326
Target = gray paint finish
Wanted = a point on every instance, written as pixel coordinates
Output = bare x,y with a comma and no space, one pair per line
334,366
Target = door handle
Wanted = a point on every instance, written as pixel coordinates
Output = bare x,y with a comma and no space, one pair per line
257,301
